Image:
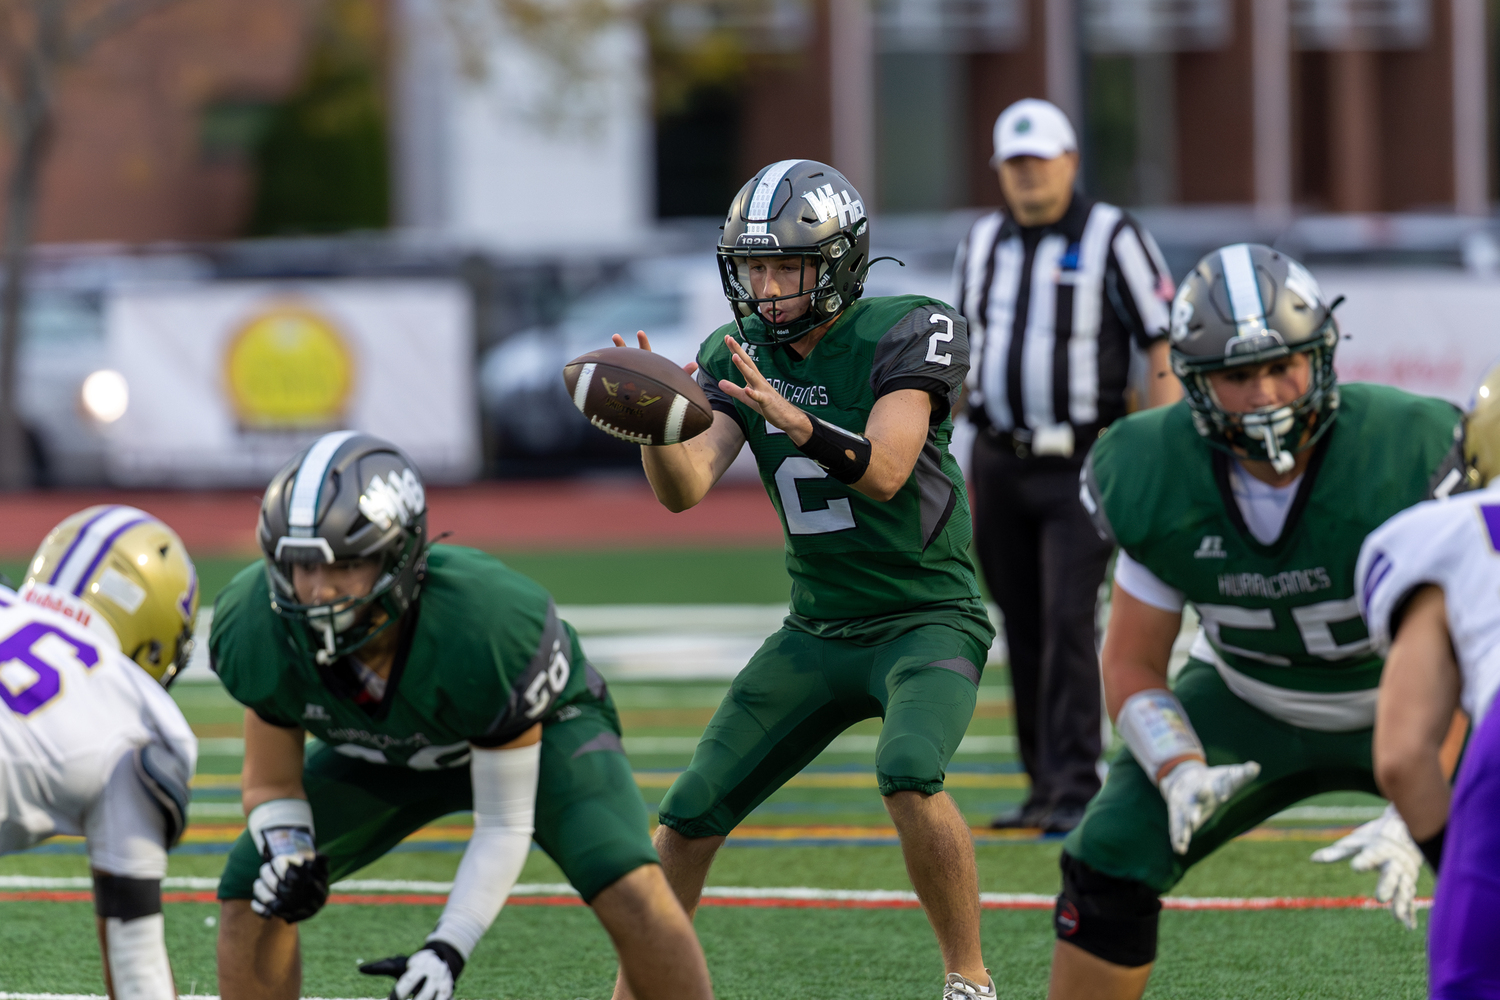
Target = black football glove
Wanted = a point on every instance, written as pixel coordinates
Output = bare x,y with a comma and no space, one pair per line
291,886
427,975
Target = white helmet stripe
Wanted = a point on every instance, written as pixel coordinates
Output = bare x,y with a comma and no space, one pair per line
765,191
302,511
1243,287
83,556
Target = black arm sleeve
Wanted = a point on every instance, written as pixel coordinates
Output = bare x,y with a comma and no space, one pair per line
927,349
718,399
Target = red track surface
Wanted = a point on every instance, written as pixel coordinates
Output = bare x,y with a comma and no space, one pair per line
497,516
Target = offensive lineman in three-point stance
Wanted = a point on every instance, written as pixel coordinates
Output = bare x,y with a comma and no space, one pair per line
1250,499
435,680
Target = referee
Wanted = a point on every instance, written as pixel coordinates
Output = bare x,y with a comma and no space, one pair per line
1056,287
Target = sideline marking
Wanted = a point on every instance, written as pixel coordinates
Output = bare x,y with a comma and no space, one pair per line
391,892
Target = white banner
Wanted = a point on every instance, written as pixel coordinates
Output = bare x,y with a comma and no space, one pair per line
228,380
1434,332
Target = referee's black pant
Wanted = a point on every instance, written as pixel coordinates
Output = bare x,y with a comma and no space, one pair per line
1043,562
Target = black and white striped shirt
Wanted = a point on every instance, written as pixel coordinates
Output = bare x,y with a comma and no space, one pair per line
1052,311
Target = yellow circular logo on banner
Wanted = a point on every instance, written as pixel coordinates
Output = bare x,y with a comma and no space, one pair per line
289,367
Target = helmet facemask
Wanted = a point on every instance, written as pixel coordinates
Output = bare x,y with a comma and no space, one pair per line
824,304
342,626
1273,434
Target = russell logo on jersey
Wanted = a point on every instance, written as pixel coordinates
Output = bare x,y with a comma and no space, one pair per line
1212,547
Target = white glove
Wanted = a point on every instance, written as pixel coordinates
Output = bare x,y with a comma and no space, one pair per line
427,977
1193,791
1385,845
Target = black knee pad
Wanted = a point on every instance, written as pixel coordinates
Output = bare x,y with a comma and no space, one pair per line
1112,918
126,898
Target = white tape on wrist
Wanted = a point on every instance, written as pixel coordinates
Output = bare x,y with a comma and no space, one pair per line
137,956
281,814
504,815
1156,729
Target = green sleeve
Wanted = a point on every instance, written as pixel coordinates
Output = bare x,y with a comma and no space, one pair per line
247,646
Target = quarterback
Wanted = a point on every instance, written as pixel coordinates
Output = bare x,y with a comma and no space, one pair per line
434,680
1250,499
845,404
91,744
1428,581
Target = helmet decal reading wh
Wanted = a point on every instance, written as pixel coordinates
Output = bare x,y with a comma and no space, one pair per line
827,205
394,500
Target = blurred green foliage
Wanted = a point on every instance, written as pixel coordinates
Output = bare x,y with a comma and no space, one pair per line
322,163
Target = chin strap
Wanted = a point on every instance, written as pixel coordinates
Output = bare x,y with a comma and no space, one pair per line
1281,459
325,656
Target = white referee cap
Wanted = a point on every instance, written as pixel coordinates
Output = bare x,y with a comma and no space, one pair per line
1032,127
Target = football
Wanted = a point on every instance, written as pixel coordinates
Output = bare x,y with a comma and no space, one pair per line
637,396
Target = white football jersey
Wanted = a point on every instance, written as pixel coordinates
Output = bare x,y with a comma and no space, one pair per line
1453,544
72,707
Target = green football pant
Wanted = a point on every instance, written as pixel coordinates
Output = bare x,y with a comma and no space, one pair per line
1124,829
799,691
589,814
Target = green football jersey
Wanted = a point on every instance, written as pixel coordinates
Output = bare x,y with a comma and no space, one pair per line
850,556
483,658
1283,614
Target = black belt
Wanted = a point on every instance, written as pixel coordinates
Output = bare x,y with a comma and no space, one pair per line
1019,440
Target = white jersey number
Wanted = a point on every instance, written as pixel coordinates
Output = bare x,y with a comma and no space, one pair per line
835,515
1314,623
942,336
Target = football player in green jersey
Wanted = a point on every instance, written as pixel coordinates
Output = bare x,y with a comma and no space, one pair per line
433,680
845,403
1250,499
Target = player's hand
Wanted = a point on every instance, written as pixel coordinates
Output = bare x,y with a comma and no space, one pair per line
1194,790
427,975
762,397
644,343
291,886
1383,845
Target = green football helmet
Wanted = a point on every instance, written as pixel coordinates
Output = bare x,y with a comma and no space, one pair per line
797,208
348,496
1248,304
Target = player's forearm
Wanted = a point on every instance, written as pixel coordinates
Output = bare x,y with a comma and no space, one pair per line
896,430
504,805
1162,386
273,763
1420,794
678,481
1419,690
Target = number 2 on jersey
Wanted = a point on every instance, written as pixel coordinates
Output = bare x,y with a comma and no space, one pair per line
941,335
27,682
836,515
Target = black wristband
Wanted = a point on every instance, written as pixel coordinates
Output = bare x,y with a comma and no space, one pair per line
1432,848
845,454
449,954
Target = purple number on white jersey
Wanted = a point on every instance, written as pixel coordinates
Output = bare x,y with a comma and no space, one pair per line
1491,514
48,684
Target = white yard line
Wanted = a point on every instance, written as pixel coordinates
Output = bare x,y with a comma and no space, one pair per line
805,893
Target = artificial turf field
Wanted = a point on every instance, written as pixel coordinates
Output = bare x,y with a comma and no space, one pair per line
825,831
